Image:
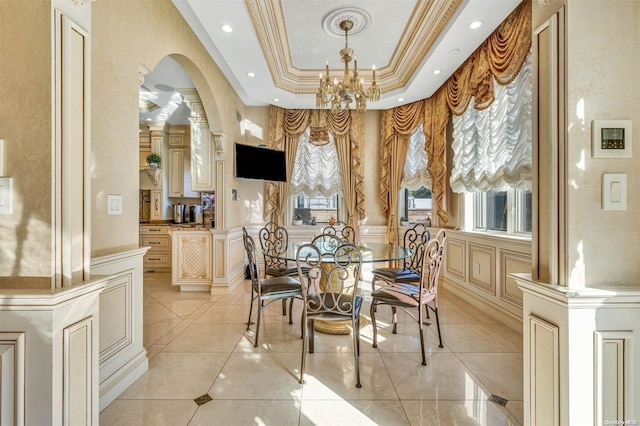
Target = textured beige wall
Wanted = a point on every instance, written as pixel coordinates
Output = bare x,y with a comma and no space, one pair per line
603,84
371,152
26,127
125,37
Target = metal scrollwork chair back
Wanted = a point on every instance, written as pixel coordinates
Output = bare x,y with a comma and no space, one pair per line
345,232
414,239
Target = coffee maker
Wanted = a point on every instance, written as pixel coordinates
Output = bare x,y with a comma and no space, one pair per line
195,214
179,213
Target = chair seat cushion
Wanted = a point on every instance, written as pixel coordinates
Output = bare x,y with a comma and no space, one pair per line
396,274
282,270
343,303
280,285
401,294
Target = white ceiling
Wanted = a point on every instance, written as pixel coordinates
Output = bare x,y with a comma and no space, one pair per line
285,44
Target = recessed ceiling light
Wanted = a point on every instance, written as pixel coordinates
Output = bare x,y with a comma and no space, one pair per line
475,24
276,99
400,99
226,28
436,72
454,52
251,74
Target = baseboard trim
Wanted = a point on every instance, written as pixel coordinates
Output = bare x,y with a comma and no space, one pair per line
122,378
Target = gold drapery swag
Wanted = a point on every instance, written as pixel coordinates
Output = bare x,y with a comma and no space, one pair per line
347,127
500,57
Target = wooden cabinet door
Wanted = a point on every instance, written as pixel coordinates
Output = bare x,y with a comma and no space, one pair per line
192,258
176,172
156,205
202,158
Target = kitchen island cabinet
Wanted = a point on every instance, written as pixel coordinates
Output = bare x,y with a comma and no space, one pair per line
191,267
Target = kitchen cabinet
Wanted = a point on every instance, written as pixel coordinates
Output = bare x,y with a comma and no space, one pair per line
158,238
192,267
202,158
175,170
179,164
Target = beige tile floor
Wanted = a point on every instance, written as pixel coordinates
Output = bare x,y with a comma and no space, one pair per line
198,345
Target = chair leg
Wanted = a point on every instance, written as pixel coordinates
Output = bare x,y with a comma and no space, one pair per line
255,343
250,310
421,330
291,311
305,342
373,322
438,325
284,307
311,335
394,319
424,360
356,355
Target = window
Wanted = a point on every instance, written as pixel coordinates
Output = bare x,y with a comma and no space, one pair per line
316,183
417,204
415,188
508,211
322,208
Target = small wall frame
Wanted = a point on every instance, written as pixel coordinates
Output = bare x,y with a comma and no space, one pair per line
611,138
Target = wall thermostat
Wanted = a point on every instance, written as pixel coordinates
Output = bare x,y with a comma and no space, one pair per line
611,139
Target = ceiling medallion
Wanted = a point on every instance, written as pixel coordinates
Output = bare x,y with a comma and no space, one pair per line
340,95
358,17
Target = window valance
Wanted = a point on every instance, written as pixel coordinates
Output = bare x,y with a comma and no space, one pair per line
492,146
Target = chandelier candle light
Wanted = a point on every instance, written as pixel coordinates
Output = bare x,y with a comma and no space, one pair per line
341,94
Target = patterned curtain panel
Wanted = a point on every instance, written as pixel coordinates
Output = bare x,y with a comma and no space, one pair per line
316,171
415,174
492,146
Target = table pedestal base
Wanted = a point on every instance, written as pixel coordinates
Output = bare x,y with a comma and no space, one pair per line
337,327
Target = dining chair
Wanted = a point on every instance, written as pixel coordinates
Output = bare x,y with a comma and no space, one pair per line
345,232
274,240
329,282
414,239
410,297
267,289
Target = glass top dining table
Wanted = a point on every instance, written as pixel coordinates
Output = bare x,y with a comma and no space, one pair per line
371,252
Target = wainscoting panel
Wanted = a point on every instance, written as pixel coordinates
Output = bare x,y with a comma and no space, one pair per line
78,372
115,310
219,259
12,385
455,258
482,273
511,263
613,381
544,373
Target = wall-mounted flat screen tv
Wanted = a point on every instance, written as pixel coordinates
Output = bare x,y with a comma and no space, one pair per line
254,162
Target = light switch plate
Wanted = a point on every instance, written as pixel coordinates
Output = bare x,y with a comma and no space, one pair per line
614,191
114,204
5,196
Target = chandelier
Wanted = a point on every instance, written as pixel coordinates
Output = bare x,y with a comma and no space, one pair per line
340,95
